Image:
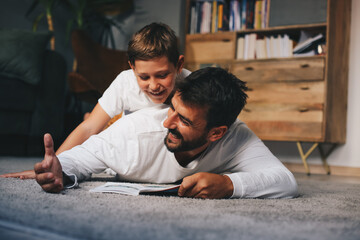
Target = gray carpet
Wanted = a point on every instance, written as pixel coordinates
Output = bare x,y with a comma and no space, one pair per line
328,208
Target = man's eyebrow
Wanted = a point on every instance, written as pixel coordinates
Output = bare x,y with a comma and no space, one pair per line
186,119
181,116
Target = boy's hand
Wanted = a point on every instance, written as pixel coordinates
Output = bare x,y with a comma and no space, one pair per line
206,185
28,174
49,171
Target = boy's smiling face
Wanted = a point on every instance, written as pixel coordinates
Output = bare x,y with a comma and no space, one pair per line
156,77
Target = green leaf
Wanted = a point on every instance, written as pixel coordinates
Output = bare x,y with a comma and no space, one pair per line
37,20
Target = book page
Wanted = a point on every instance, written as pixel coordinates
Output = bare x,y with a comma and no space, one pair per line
135,189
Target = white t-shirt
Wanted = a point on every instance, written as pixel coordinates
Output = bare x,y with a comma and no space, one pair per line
124,94
134,148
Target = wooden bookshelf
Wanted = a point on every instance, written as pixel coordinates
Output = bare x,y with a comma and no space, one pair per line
290,99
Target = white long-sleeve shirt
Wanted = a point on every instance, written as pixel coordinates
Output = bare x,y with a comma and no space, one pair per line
134,148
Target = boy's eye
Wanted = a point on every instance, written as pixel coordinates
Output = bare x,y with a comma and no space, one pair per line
144,77
163,75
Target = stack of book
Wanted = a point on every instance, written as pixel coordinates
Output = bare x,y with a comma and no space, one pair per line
254,46
210,16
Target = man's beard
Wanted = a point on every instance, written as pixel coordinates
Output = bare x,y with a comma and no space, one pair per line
184,145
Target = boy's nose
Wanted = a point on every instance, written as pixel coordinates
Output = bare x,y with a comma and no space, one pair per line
154,86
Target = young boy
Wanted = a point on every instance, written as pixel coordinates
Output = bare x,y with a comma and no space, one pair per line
155,65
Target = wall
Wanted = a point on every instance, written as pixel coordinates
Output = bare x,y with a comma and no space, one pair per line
347,155
170,12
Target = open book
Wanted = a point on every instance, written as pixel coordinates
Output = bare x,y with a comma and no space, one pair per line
135,189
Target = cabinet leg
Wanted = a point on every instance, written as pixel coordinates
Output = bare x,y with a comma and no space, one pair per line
324,156
306,155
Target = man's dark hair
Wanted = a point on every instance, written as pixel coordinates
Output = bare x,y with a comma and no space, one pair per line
217,89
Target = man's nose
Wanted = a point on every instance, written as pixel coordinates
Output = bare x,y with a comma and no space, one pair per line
170,122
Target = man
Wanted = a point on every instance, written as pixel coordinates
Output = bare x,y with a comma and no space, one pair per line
200,142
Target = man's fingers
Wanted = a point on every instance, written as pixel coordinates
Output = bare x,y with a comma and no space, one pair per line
53,187
187,186
39,167
45,178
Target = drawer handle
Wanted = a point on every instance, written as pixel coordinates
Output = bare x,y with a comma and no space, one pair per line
303,109
305,65
249,68
249,89
304,88
246,110
226,40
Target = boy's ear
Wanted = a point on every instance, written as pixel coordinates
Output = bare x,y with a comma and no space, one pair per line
132,67
180,63
217,133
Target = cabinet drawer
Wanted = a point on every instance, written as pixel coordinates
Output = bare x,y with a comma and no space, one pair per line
210,47
272,70
286,111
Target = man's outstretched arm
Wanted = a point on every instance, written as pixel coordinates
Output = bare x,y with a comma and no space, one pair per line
48,173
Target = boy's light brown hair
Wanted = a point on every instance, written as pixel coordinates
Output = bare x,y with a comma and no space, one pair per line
153,41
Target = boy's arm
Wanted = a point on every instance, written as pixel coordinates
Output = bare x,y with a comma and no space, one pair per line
27,174
94,124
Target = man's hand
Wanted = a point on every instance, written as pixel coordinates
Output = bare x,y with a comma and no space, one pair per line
206,185
28,174
49,171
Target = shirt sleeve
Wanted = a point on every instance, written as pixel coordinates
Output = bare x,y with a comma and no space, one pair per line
113,148
79,162
113,99
257,173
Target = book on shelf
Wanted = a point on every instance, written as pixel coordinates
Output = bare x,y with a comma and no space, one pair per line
260,49
135,189
214,17
210,16
258,15
205,17
243,14
240,48
249,46
250,8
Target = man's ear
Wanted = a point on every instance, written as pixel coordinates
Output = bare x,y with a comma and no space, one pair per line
180,63
217,133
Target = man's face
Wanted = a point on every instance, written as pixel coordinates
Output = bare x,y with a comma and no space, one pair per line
156,77
186,125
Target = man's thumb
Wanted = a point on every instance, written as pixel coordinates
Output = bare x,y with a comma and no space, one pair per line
49,145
